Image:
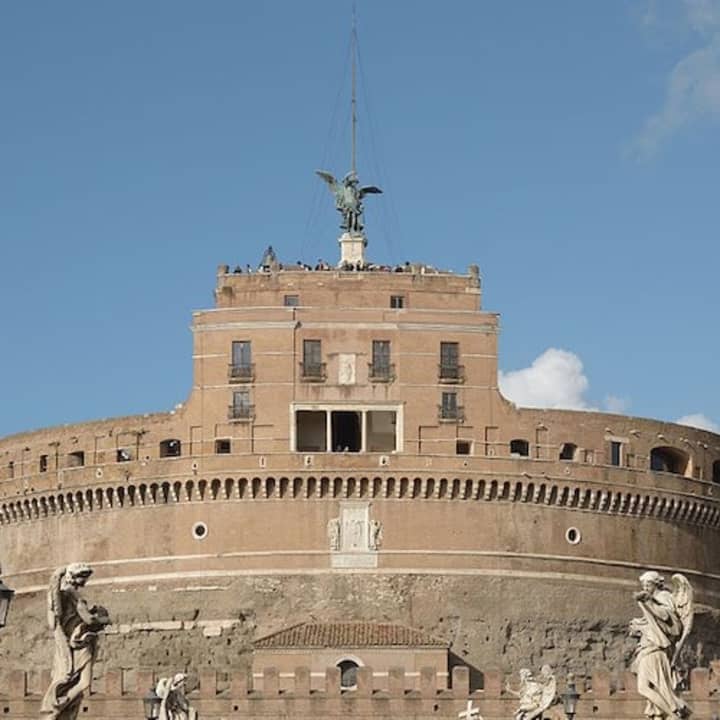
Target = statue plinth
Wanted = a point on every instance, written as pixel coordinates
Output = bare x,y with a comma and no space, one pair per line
352,248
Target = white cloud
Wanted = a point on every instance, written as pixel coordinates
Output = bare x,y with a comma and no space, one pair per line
554,380
693,86
698,420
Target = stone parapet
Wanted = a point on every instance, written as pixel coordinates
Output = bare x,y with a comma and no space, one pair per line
230,693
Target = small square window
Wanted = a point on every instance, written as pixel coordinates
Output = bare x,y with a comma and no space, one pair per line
123,455
291,300
462,447
397,301
222,447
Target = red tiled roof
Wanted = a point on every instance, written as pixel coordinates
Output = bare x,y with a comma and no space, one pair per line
348,635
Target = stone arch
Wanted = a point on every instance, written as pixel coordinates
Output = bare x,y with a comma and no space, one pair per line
670,460
229,485
215,487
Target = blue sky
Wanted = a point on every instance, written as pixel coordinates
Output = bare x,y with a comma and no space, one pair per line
571,149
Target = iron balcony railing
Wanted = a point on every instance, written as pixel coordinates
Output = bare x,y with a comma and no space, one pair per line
313,372
381,372
241,412
241,373
451,373
451,413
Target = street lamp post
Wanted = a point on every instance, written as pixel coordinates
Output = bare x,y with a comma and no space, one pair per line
151,705
6,596
570,697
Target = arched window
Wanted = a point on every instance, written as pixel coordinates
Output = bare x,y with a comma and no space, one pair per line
568,451
668,459
519,448
170,448
348,674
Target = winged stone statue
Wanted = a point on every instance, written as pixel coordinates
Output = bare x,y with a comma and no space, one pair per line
348,199
663,629
536,693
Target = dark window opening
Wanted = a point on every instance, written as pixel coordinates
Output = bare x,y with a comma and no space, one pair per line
716,471
462,447
241,367
291,300
222,447
615,453
519,448
170,448
43,464
11,469
76,459
397,302
449,408
668,459
568,451
381,425
241,409
346,431
348,674
313,368
450,369
381,368
123,455
310,431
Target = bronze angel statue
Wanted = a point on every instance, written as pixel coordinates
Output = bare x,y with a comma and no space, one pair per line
348,199
76,626
666,622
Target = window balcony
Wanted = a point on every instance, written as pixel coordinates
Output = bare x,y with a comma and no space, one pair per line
313,372
451,374
381,372
241,413
449,413
241,373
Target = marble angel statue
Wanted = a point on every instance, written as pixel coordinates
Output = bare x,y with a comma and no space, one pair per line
76,627
536,693
174,704
667,617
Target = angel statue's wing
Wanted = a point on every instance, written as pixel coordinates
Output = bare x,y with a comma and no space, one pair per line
328,178
549,693
683,596
370,189
54,603
163,687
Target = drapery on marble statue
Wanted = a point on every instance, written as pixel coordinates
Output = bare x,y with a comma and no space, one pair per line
348,199
536,694
174,704
76,627
661,631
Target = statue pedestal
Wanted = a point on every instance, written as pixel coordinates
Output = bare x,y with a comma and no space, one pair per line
352,248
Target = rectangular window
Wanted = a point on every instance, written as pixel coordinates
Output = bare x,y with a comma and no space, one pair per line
241,408
450,362
222,447
397,302
462,447
615,453
449,409
380,368
241,367
123,455
311,431
43,465
312,366
11,469
76,459
291,300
